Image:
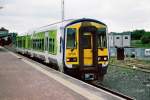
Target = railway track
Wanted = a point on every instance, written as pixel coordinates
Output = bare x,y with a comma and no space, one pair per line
99,85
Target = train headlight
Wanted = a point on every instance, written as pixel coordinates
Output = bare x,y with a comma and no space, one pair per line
68,60
105,58
102,58
71,59
99,58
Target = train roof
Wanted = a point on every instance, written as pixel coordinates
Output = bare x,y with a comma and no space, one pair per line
63,24
85,19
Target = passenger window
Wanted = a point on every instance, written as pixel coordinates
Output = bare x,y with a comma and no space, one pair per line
60,43
53,45
42,44
50,45
71,38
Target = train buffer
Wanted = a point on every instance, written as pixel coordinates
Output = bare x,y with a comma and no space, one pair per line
24,79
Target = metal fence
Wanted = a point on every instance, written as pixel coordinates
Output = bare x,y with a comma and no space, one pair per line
138,53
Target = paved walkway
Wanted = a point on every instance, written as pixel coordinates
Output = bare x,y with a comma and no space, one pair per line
22,80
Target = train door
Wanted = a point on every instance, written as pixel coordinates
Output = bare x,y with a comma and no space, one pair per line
88,50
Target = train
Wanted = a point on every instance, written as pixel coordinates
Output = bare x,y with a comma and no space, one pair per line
78,47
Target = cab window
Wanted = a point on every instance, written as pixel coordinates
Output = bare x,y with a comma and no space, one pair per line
102,39
71,37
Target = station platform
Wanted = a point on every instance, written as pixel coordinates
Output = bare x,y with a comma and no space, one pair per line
24,79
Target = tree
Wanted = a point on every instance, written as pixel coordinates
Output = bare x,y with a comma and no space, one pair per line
145,39
137,34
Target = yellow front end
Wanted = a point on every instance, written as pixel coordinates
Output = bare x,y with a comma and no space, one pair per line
86,49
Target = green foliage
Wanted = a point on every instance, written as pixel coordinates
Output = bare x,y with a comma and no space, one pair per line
145,39
139,44
137,34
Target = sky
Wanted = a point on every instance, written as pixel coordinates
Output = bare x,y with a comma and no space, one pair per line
119,15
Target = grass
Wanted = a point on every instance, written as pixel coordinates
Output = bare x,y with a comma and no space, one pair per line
130,62
139,44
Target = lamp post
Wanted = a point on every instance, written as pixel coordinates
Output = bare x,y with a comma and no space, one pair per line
63,12
1,7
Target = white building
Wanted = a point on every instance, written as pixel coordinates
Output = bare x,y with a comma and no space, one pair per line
119,39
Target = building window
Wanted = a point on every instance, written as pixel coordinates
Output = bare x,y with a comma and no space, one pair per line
126,37
117,37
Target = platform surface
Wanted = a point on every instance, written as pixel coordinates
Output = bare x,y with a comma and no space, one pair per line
21,79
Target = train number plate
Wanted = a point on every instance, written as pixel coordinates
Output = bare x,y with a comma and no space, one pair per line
89,76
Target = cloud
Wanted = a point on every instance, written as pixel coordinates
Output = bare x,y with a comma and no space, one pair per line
119,15
20,16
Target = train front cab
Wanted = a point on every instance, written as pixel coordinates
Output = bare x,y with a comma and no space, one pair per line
86,49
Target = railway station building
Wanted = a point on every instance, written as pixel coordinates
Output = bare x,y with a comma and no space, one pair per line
6,37
118,42
119,39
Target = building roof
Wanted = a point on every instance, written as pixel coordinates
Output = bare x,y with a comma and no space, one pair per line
3,29
123,33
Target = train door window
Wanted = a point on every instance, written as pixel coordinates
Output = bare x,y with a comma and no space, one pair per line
86,41
71,38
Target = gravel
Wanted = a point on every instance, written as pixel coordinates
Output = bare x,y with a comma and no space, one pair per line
130,82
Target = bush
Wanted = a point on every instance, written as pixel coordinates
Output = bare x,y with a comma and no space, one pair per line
137,34
145,39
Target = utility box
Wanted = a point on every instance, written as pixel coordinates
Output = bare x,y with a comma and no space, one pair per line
120,54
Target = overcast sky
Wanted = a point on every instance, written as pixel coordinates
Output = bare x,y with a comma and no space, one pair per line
120,15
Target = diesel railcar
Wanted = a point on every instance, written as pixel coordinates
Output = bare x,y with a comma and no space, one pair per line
78,47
